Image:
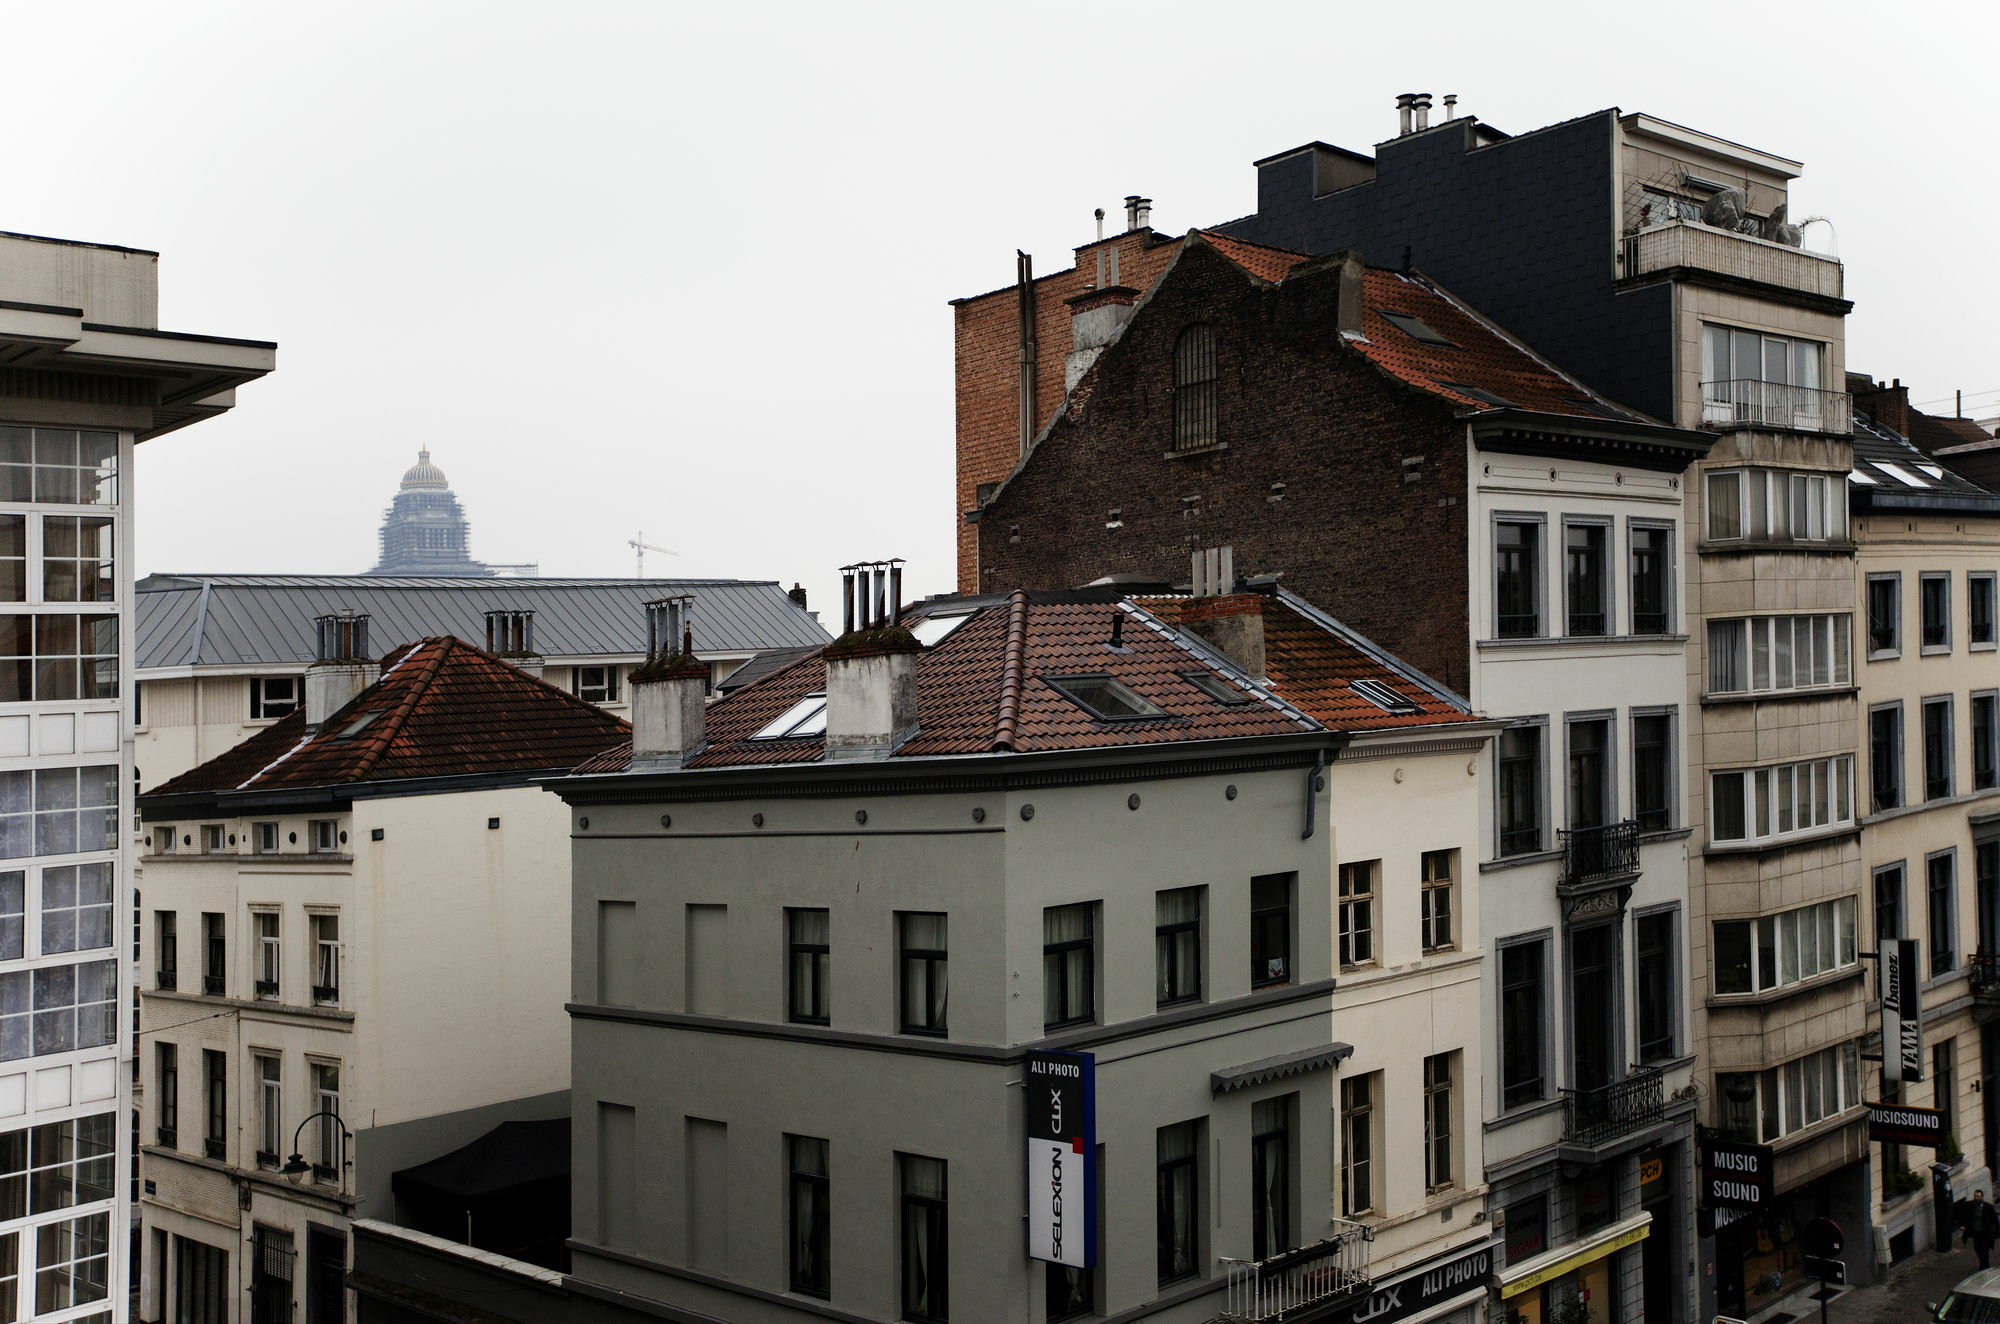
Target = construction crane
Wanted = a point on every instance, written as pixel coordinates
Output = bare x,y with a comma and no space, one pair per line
640,547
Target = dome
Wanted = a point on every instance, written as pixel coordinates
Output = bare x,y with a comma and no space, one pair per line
423,473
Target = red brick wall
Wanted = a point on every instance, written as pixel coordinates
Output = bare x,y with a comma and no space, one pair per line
987,340
1352,533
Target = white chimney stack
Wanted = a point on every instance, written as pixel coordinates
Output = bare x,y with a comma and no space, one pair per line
1421,103
510,634
871,670
669,692
1403,100
341,667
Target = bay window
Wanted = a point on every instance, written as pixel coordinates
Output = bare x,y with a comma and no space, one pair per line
1759,804
1776,505
1774,653
1757,955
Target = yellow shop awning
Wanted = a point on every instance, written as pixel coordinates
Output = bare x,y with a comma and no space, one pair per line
1551,1265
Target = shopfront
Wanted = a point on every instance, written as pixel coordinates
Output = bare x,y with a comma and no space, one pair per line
1758,1255
1546,1288
1445,1289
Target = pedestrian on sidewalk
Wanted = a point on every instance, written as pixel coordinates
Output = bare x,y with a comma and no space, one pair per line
1982,1226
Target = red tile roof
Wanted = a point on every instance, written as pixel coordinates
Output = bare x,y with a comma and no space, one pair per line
442,708
1260,260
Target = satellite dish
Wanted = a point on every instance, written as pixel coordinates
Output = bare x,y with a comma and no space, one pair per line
1724,210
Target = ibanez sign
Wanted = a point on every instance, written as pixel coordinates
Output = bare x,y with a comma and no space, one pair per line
1062,1158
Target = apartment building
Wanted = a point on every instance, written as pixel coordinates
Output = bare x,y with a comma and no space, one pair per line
86,374
221,658
357,937
1927,553
1109,826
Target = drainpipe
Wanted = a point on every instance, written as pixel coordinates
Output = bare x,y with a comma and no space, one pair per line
1024,274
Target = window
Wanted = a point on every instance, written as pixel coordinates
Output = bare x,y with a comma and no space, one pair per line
1357,913
1885,754
269,952
925,1243
1069,965
1596,1001
59,466
1940,889
1384,696
326,958
76,907
215,954
1413,327
1194,388
1517,579
1592,803
72,1262
1985,710
807,717
1653,771
270,1111
166,947
921,944
1980,591
1216,688
1763,804
13,558
58,657
1885,616
1067,1292
1937,749
1271,1176
1357,1145
167,1088
211,839
58,1008
58,811
164,838
1271,930
1658,1013
1805,1091
1103,698
1177,1179
1776,951
76,558
932,630
1520,789
1725,506
266,837
1889,902
809,953
1767,653
1527,1223
1934,605
596,684
215,1095
330,1153
325,836
1776,506
1440,873
1177,945
274,696
811,1226
1652,578
1437,1122
1587,589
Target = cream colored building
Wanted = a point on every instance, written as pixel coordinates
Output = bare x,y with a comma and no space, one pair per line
357,949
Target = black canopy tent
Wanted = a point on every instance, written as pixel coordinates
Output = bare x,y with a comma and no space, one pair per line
507,1192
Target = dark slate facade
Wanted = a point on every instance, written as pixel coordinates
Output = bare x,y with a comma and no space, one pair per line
1524,229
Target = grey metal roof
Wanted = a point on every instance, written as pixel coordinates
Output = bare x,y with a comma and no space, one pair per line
247,620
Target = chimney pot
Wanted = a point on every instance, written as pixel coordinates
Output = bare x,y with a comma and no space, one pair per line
1144,215
1421,103
871,670
342,668
1403,101
1131,211
798,594
1450,106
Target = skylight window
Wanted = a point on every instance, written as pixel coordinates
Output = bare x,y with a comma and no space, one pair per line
1414,328
1856,476
807,717
1932,470
1103,697
358,725
1384,696
1215,687
1899,473
931,630
1477,394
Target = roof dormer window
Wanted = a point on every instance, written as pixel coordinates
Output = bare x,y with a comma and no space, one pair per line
1384,696
1103,697
807,717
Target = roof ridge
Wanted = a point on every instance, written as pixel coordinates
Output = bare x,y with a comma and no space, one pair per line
1010,670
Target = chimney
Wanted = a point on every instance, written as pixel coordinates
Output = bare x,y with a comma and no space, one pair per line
341,666
511,635
1132,201
669,692
1347,315
1095,316
1421,104
1450,106
1144,215
1888,405
1232,622
798,594
871,670
1403,101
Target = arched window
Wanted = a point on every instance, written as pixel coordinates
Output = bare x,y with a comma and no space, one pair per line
1194,388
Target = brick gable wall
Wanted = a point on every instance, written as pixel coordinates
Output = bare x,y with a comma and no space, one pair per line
1296,406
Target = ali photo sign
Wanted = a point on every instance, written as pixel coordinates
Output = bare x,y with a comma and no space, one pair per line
1062,1158
1736,1175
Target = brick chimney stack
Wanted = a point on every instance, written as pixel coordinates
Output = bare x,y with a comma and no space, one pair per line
1888,405
1232,622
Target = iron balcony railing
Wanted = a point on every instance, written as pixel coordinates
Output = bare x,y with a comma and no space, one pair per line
267,988
1596,1117
211,985
1610,851
213,1147
1985,970
168,1138
1272,1288
1748,403
1689,246
326,995
165,979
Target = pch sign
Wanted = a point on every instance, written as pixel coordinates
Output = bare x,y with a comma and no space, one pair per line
1062,1158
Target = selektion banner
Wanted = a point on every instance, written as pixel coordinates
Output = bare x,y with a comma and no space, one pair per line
1062,1158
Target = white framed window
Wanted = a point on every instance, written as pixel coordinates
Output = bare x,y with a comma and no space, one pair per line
1763,804
330,1155
1650,559
1587,597
1981,589
274,696
269,952
597,684
270,1110
1518,579
165,838
1749,378
1357,913
212,839
325,836
807,717
326,957
1439,900
1762,654
76,907
266,836
1775,505
1757,955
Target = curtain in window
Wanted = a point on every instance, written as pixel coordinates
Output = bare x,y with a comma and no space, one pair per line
1067,976
1725,656
925,980
924,1263
1177,958
1177,1159
1270,1159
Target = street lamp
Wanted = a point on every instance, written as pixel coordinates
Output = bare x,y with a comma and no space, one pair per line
296,1166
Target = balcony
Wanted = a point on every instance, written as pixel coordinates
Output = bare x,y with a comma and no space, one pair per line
326,995
167,1138
212,985
1612,1112
1775,407
214,1147
1984,968
1271,1289
267,988
166,979
1599,854
1683,248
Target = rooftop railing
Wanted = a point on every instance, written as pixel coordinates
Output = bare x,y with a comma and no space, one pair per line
1692,246
1604,1114
1747,403
1271,1288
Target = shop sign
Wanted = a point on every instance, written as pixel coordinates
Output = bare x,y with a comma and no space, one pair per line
1736,1175
1062,1158
1430,1284
1902,1012
1589,1254
1905,1125
1652,1167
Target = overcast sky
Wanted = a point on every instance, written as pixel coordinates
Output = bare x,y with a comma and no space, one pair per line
683,269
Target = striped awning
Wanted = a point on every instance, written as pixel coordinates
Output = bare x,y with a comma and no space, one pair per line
1277,1068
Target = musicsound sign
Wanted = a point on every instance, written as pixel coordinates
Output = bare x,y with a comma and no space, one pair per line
1062,1158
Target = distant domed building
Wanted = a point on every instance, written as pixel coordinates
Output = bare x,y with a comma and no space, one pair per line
424,531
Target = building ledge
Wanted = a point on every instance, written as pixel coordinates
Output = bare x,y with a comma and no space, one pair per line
1925,806
1766,997
1817,837
1767,547
321,1197
264,1005
1643,642
1781,696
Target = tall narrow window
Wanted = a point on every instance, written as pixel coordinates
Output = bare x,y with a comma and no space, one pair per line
925,1240
1587,590
1357,913
1937,749
1889,902
1885,755
1357,1145
1980,591
811,1225
1984,710
1935,603
1941,886
1986,885
1658,1011
1653,771
1175,1181
920,939
269,953
808,933
329,1154
215,1102
270,1110
1069,965
1523,1001
1438,1126
1440,881
167,1083
1517,579
1885,615
1725,506
1590,798
1652,579
214,954
1594,1003
1194,388
1271,1176
1520,789
1177,946
1271,930
13,915
326,959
